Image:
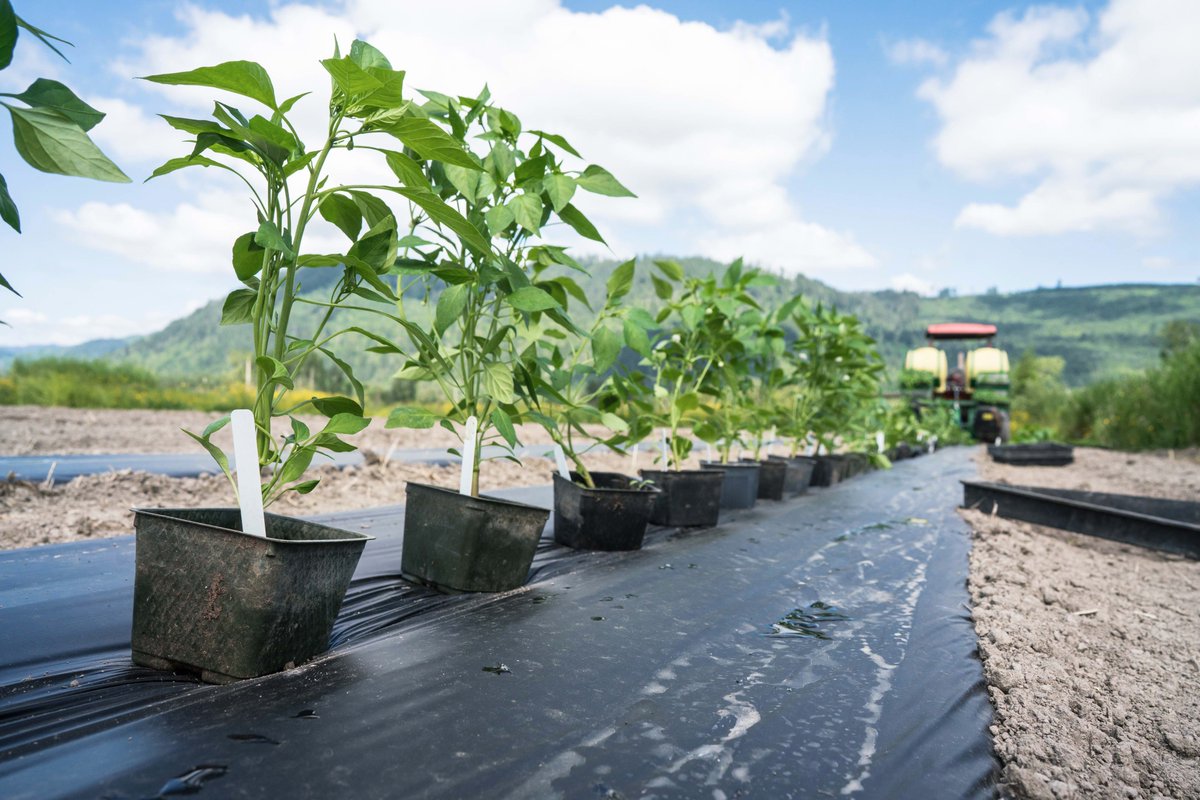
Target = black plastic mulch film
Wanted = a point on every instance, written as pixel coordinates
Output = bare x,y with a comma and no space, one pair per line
817,647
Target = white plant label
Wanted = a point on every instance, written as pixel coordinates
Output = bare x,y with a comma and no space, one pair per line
666,462
708,451
468,455
560,458
879,441
245,460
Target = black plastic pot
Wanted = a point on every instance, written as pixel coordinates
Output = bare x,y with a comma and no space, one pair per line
827,470
612,516
462,543
740,489
772,475
798,475
689,498
210,599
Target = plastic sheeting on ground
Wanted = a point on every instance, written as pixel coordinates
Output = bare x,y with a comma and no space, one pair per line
820,646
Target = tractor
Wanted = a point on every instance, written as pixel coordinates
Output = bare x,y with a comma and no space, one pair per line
976,389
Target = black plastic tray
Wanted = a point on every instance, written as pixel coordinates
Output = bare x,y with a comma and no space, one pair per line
1039,454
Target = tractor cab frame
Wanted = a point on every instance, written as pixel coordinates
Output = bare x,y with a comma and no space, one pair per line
977,388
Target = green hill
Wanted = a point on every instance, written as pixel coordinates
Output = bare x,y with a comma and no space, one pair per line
1099,330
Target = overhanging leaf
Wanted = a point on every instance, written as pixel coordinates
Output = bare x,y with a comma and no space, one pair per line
52,143
431,142
240,77
531,298
582,225
411,417
599,180
54,96
8,211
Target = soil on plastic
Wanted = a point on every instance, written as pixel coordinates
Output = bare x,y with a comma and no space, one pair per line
1091,648
97,506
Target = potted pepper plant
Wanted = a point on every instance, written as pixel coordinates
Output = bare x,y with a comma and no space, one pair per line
667,397
574,401
839,365
235,595
496,296
731,315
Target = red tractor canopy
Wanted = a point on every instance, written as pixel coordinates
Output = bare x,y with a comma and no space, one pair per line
960,330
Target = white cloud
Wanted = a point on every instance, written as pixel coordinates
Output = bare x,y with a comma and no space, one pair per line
1102,114
192,237
131,135
915,51
23,316
911,283
707,126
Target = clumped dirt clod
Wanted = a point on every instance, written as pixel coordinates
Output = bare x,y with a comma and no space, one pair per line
1091,648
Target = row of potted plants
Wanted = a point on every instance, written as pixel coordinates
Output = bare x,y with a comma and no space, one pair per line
512,339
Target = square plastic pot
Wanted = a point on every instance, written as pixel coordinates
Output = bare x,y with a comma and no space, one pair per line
827,470
689,498
740,489
772,475
461,543
611,516
798,476
210,599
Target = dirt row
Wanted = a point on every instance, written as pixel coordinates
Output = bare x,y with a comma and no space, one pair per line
1091,648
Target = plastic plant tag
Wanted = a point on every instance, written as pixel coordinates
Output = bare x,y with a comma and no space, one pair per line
468,455
708,451
666,461
879,441
561,460
245,455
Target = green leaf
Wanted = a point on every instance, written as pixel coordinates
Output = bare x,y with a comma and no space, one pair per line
240,77
306,486
350,77
662,289
346,423
527,210
554,138
45,38
498,383
296,464
498,219
275,371
52,143
636,338
613,422
582,225
431,142
8,211
247,257
606,347
621,281
342,212
411,417
52,95
332,406
443,214
504,161
239,307
182,162
217,454
560,188
8,33
269,236
367,56
671,269
408,171
450,306
600,181
466,181
504,424
531,298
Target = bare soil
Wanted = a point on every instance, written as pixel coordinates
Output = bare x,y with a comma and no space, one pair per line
97,506
1091,648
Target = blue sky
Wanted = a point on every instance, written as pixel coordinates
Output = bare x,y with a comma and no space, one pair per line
867,144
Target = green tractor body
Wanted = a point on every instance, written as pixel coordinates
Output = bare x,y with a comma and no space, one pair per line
977,388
